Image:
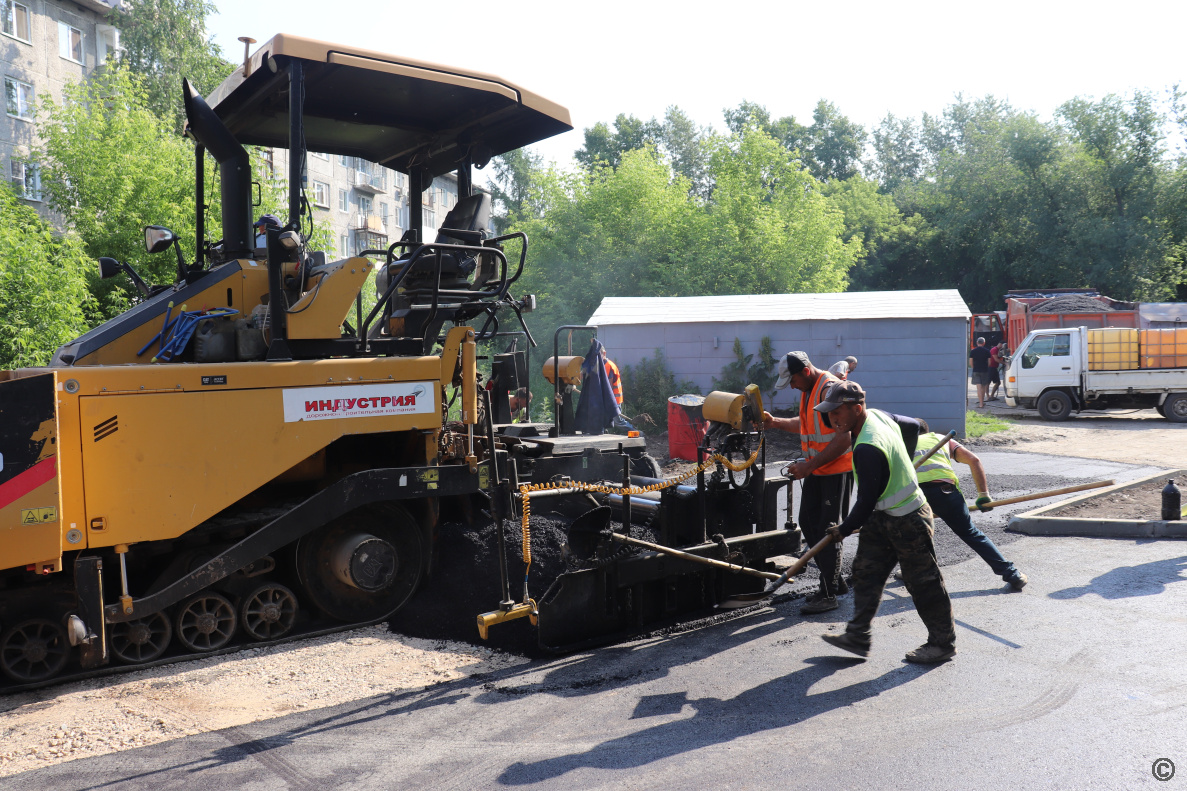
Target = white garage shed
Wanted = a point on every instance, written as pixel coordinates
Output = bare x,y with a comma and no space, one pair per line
911,346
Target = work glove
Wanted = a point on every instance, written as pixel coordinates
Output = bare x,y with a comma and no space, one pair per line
982,499
835,532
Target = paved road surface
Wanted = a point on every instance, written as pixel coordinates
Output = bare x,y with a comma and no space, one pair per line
1077,682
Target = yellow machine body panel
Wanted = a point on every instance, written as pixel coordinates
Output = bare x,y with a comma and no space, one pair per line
173,460
150,451
320,312
242,286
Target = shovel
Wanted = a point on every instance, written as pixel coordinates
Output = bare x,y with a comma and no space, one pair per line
739,600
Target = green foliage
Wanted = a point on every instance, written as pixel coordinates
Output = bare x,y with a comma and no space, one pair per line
829,149
511,186
991,198
647,387
763,372
639,229
604,146
111,167
736,375
164,41
44,301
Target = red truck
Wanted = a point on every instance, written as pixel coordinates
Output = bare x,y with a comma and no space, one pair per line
1051,309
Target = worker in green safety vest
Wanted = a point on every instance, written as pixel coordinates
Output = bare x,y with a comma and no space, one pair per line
896,526
941,487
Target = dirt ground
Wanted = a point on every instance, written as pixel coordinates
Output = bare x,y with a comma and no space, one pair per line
1143,502
1132,436
123,712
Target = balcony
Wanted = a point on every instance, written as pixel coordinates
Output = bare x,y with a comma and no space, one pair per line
370,181
372,223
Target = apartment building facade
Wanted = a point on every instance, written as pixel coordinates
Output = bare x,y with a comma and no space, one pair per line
364,205
44,44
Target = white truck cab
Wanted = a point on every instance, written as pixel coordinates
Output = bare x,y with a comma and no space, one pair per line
1050,371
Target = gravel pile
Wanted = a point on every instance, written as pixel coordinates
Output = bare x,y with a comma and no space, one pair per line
1071,303
99,716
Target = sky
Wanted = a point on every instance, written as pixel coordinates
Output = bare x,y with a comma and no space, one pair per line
868,58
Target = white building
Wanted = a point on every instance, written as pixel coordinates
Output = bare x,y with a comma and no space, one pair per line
366,205
911,346
45,44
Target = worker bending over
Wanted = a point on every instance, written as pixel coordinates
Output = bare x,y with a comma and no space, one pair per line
896,527
825,469
941,486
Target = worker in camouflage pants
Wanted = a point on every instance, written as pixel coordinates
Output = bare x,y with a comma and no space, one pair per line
907,540
896,525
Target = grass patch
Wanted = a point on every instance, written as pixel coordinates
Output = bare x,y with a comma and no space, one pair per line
978,425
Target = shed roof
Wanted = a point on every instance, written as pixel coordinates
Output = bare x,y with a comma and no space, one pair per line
937,303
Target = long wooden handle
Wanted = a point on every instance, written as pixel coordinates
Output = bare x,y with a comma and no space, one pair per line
695,558
947,438
1040,495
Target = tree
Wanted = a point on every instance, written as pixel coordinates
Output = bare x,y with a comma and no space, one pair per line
898,153
44,301
830,148
165,41
511,186
772,231
687,147
111,166
836,144
603,146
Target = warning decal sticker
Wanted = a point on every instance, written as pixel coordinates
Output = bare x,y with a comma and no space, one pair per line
347,401
38,516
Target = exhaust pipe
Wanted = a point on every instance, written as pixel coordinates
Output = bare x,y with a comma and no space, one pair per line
234,171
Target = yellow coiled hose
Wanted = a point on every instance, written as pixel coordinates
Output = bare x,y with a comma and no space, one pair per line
526,490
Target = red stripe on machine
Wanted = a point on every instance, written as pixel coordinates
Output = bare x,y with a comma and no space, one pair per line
40,473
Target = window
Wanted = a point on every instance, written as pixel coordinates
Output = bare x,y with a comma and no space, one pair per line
344,160
364,205
69,42
316,155
1046,346
344,245
383,213
18,97
321,194
343,201
26,180
15,20
107,42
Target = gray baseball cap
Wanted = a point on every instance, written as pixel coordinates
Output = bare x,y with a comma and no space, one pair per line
790,365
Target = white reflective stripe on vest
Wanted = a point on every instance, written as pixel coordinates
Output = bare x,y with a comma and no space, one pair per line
902,495
939,466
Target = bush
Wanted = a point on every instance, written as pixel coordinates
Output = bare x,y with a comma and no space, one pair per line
736,375
646,388
44,301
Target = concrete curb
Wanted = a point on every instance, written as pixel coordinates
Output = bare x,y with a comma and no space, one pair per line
1037,523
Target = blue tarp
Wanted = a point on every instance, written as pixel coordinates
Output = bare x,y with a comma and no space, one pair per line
597,407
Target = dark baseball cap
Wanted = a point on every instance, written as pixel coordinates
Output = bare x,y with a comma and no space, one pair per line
841,393
790,365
